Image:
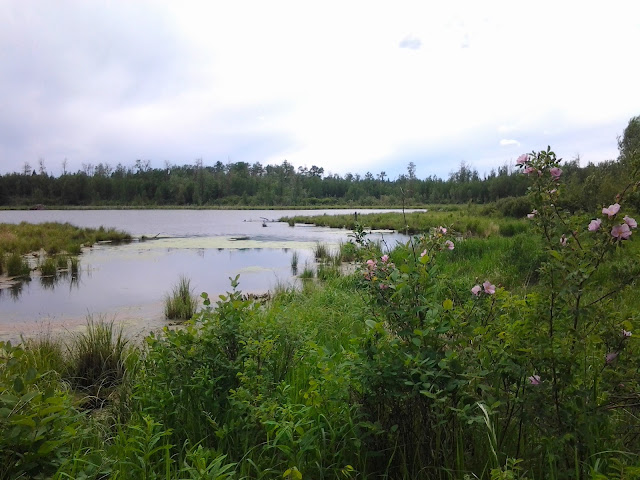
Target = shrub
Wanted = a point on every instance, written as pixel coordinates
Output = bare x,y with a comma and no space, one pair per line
37,422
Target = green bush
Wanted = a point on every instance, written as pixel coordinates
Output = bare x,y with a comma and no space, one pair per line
37,423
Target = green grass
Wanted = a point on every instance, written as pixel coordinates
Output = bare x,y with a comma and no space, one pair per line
17,266
181,304
466,221
307,272
49,267
97,358
54,238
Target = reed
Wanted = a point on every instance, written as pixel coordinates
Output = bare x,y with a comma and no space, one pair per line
181,304
294,262
17,266
97,359
49,267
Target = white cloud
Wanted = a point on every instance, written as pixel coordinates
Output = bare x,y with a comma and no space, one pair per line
509,142
410,42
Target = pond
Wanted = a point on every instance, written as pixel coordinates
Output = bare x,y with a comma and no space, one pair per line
128,283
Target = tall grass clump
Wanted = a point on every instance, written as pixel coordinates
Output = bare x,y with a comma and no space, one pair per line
74,266
17,265
294,262
181,304
49,267
97,358
307,272
321,251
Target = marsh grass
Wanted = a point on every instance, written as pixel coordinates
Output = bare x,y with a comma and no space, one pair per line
17,266
469,222
62,262
74,266
181,304
321,251
54,237
294,262
307,272
49,267
97,360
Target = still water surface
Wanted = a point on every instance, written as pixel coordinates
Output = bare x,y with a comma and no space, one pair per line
128,282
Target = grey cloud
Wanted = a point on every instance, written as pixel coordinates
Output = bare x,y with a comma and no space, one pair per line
68,64
410,42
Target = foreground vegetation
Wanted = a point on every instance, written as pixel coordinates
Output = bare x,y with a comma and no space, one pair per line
505,357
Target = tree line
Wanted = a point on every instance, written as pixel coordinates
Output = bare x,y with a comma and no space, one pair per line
244,184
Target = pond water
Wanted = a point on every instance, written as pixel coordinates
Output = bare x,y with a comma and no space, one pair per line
128,283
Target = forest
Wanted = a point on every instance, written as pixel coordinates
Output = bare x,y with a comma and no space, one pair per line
240,184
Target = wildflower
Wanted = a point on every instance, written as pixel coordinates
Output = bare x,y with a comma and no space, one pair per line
533,213
442,230
630,221
476,290
424,252
522,159
383,286
563,240
535,380
610,357
552,191
371,264
625,334
529,170
621,232
385,258
612,210
449,244
594,225
489,287
555,173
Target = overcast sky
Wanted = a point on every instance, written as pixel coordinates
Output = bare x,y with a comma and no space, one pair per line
351,86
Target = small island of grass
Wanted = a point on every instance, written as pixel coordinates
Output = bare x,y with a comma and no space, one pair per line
48,240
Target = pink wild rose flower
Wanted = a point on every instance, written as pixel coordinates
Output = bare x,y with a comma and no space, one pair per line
522,159
532,214
385,258
621,232
489,287
610,357
424,252
555,173
476,290
535,380
626,334
594,225
630,221
612,210
449,244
